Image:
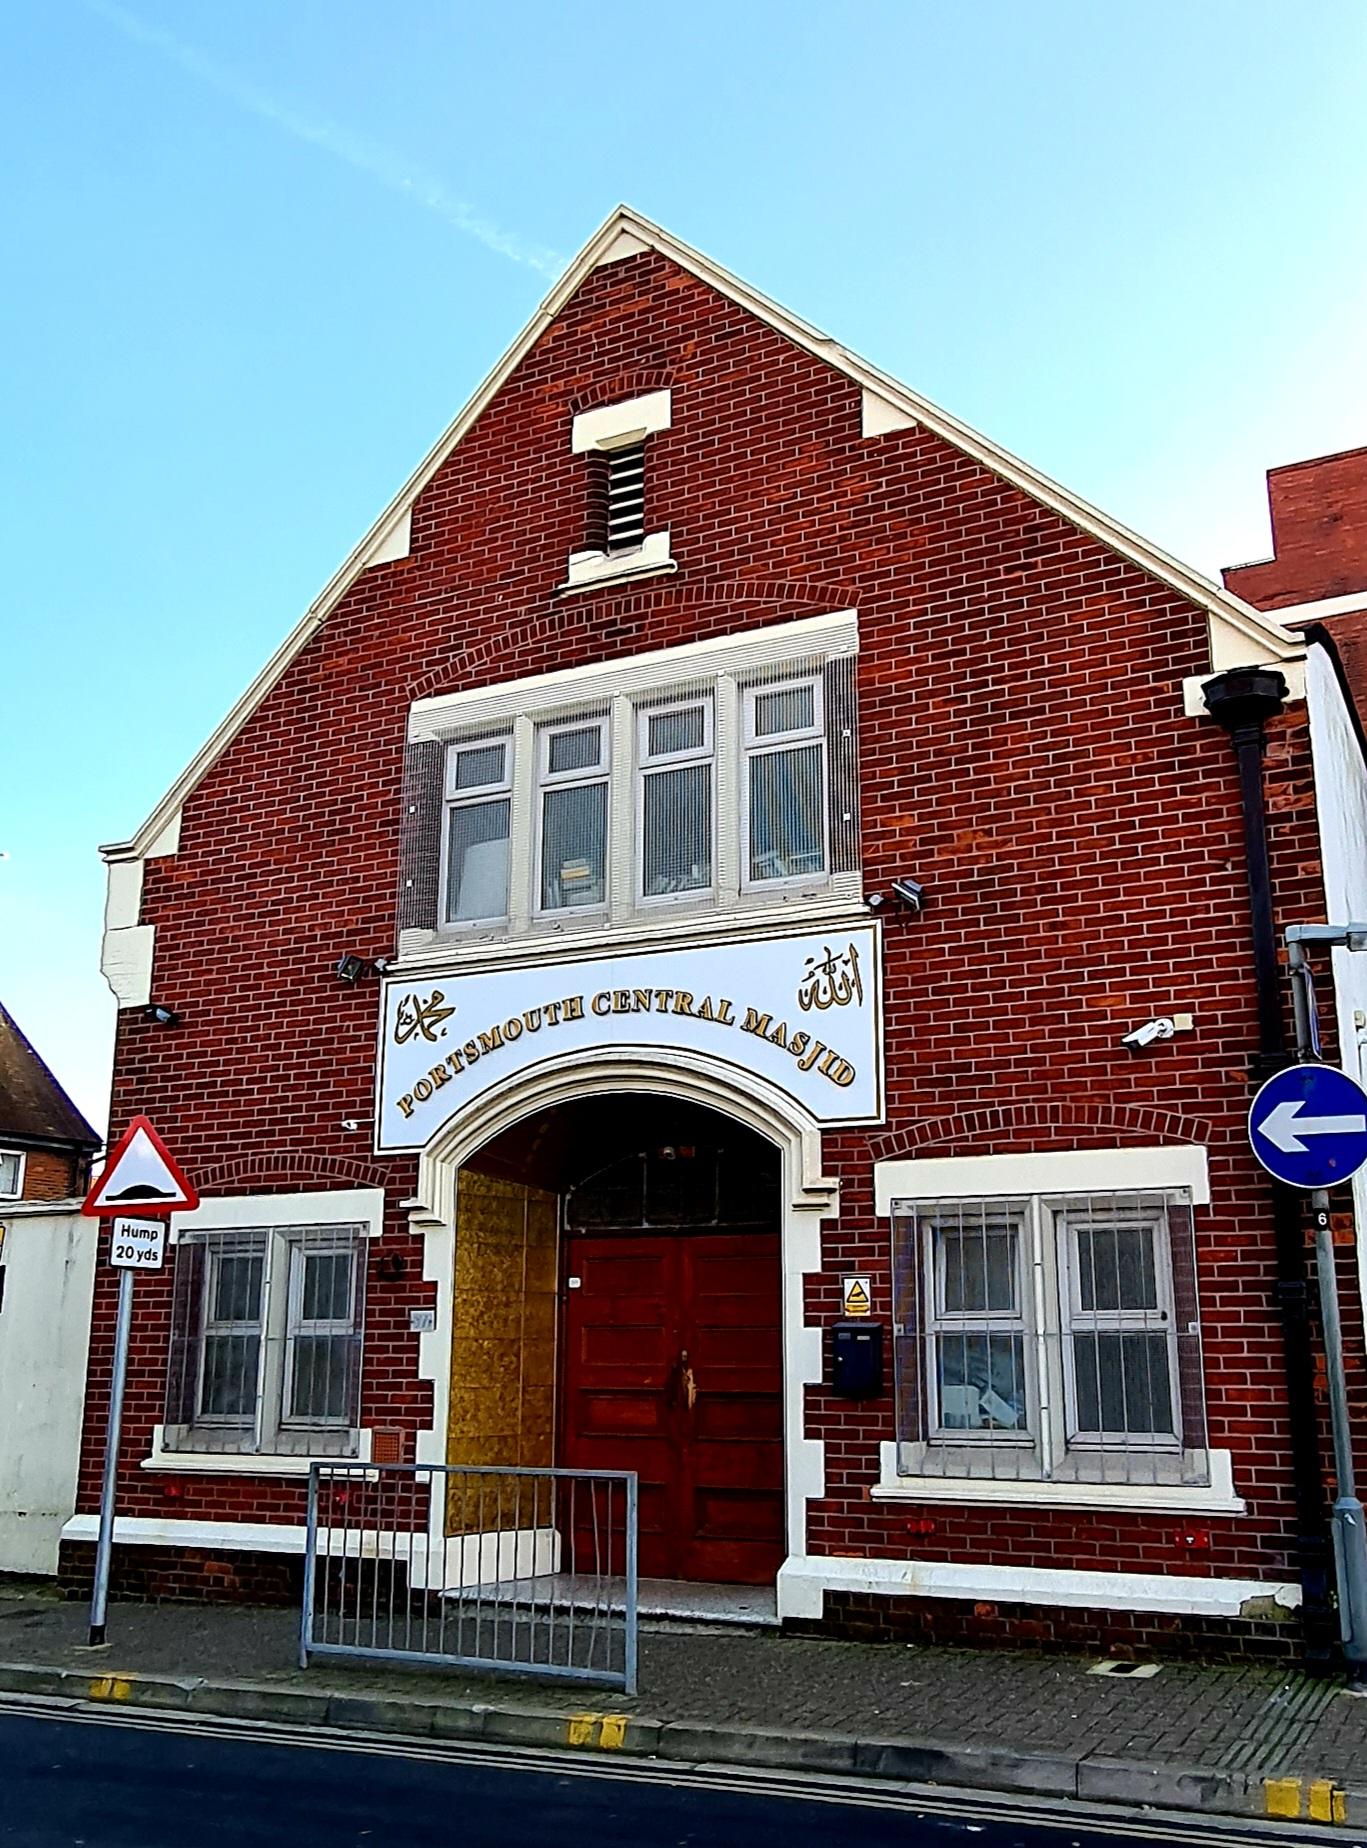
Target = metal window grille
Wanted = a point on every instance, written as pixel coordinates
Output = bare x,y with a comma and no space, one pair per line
626,486
1049,1340
266,1340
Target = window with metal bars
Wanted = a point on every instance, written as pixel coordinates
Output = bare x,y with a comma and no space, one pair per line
1054,1340
266,1335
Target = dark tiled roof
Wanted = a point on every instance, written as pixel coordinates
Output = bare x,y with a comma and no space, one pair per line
32,1103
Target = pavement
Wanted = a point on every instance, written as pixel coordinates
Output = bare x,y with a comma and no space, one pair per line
1243,1740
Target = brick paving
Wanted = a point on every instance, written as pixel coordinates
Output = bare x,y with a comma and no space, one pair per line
1254,1719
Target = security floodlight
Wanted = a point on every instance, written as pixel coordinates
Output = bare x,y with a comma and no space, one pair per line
911,892
161,1016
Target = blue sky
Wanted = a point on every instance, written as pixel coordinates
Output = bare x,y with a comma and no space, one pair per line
257,256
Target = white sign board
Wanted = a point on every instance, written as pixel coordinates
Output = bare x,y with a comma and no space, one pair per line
803,1011
137,1244
856,1296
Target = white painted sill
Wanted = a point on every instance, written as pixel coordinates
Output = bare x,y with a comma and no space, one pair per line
239,1462
1217,1497
590,570
694,927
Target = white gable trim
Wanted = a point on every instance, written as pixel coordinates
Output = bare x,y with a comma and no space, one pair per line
624,234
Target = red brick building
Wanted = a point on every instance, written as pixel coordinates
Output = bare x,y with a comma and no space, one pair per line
773,806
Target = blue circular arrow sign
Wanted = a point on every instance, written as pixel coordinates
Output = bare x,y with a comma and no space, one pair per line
1308,1126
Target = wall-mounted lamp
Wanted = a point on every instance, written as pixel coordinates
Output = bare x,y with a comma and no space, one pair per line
351,967
161,1016
391,1266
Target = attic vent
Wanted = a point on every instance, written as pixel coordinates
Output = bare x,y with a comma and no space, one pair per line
626,470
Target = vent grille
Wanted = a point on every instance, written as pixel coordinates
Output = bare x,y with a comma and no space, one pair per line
626,498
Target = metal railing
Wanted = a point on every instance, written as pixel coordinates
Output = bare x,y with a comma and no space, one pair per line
529,1571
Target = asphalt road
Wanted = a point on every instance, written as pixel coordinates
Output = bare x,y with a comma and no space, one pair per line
102,1782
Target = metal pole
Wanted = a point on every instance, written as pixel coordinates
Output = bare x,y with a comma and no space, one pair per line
1349,1528
1350,1532
99,1597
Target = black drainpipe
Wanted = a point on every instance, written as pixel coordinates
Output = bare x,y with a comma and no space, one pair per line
1242,701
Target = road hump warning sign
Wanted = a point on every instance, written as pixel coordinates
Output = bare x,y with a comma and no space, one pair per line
141,1176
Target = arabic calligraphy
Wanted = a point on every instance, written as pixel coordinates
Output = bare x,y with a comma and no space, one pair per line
414,1016
831,980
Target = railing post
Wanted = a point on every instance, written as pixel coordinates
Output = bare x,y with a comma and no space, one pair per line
310,1554
629,1658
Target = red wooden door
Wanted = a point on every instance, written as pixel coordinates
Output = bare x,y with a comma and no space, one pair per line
673,1367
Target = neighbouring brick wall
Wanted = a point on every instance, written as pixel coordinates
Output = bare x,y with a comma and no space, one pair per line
1319,534
1022,750
52,1175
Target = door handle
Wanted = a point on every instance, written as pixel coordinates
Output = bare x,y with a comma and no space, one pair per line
690,1384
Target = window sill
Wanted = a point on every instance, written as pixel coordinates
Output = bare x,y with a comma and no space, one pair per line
239,1462
840,903
589,570
1217,1497
230,1463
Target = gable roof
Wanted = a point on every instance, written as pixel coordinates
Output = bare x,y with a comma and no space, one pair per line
626,233
33,1106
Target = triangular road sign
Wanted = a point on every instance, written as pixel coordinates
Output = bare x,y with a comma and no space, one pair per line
141,1176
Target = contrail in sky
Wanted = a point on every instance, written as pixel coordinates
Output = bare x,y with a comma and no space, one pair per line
368,157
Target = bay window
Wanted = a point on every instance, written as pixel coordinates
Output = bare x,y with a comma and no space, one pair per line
717,776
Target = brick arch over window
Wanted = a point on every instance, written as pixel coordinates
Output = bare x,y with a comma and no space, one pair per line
761,600
288,1170
1010,1129
621,385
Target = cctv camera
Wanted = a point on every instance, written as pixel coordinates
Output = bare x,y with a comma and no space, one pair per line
1148,1034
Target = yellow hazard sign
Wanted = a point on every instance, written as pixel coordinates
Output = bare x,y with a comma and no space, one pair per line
858,1300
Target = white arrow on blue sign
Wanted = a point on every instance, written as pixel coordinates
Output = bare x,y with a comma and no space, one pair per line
1308,1126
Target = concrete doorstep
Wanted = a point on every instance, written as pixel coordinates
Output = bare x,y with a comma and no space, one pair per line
923,1761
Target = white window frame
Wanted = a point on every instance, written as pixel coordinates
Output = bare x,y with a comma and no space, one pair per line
473,797
301,1249
274,1328
209,1327
771,744
1074,1319
548,780
650,762
1048,1314
20,1164
1167,1168
943,1324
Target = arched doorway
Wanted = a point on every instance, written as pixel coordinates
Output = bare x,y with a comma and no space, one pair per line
618,1305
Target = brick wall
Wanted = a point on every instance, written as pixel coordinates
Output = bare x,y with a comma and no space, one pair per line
52,1175
1023,752
1319,534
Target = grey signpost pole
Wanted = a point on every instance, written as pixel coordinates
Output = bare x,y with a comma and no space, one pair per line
1350,1521
99,1597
